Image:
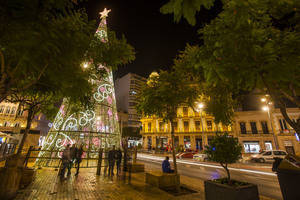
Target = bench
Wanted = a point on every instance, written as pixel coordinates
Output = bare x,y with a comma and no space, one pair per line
162,180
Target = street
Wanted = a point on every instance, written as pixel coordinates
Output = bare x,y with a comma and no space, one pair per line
267,181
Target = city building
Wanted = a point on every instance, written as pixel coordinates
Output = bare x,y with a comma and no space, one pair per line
190,128
13,123
127,89
257,131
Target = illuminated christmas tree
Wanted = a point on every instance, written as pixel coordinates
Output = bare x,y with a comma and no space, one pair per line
94,129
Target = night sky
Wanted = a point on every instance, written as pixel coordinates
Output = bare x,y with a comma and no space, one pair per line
156,38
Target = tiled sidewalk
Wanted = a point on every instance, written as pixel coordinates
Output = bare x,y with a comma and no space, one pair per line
88,186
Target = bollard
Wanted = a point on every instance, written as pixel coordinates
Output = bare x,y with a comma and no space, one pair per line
99,162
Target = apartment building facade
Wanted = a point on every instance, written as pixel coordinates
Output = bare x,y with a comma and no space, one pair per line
127,89
187,129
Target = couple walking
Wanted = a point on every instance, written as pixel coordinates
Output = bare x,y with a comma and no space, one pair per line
69,156
113,156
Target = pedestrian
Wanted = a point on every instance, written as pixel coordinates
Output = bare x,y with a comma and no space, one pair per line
72,155
78,157
118,160
166,167
106,163
66,159
111,161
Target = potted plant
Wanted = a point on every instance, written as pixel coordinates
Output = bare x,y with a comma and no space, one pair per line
225,150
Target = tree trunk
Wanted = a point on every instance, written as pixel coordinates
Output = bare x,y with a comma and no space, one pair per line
294,125
227,171
27,129
173,147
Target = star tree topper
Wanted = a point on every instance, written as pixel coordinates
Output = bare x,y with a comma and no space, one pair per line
104,13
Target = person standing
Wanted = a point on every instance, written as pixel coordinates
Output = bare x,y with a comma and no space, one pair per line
118,160
78,157
72,155
111,161
66,159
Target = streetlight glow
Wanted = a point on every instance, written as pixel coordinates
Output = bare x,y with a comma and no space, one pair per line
200,105
85,65
265,108
263,100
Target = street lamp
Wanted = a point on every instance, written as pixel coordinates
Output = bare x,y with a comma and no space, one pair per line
266,108
200,107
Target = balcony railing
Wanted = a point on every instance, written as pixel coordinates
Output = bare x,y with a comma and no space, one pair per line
259,133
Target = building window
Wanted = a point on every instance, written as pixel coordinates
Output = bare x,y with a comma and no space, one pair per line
251,147
264,126
13,110
197,125
243,127
161,126
7,110
6,124
186,126
268,145
1,109
149,127
187,142
209,125
175,126
185,111
20,112
17,124
253,127
283,125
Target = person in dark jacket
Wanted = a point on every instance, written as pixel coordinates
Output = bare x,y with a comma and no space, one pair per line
78,158
66,159
72,155
166,167
118,160
111,161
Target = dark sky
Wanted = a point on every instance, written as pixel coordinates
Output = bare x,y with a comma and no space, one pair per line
155,37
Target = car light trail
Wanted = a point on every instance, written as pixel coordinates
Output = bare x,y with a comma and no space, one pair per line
155,158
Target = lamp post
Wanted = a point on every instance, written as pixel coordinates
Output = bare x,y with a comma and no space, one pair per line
267,109
200,107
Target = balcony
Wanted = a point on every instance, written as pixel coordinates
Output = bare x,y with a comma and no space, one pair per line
258,134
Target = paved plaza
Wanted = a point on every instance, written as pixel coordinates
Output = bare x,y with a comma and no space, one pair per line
88,186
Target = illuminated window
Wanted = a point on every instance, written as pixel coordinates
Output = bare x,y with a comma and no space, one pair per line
149,127
13,110
7,110
197,125
1,109
209,125
185,111
161,126
175,126
186,126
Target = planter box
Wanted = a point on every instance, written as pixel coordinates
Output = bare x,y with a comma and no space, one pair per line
137,167
163,180
217,191
289,183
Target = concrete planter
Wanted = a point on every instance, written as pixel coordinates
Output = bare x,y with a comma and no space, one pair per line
217,191
163,180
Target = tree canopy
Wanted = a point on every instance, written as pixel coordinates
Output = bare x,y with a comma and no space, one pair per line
250,44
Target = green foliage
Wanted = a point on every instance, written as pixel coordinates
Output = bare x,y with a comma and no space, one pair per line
164,93
251,44
186,9
225,150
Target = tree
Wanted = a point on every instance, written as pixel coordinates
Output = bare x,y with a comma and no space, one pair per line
43,47
224,150
162,95
251,44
